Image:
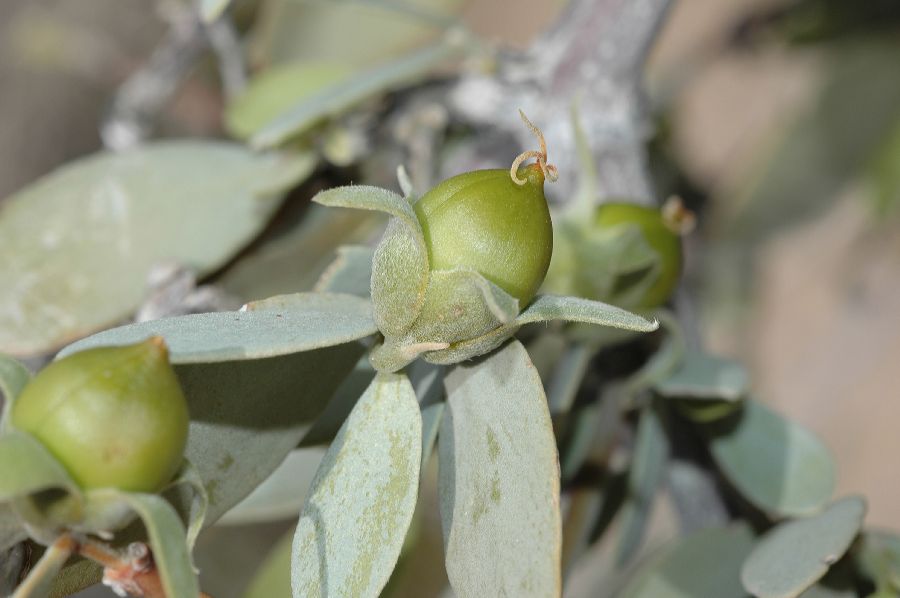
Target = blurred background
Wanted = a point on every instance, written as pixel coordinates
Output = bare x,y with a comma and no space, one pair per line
777,121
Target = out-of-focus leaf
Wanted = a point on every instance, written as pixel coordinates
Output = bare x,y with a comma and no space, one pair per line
666,359
350,272
878,558
499,480
282,494
211,10
75,577
703,376
79,243
273,579
370,31
794,555
276,90
28,467
648,464
568,376
337,98
11,529
294,260
431,422
39,581
355,520
884,173
12,564
267,328
706,564
776,464
827,146
13,378
594,431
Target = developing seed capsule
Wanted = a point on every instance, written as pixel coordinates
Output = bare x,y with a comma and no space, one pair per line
113,416
485,221
495,222
661,231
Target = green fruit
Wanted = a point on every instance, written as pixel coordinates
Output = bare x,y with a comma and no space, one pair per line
113,416
661,238
485,221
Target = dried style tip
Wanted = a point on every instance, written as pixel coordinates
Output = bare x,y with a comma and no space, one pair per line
678,218
549,170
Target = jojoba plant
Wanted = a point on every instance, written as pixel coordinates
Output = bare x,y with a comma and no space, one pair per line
406,354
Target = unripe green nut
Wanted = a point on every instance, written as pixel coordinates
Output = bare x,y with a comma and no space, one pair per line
485,221
659,235
115,417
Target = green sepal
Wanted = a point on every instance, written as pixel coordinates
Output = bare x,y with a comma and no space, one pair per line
400,264
28,468
13,378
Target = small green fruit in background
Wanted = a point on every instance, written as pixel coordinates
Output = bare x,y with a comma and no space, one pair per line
660,234
486,221
115,417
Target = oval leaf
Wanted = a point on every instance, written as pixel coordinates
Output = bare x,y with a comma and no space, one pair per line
78,244
499,480
576,309
247,416
350,272
282,494
277,326
337,98
648,465
702,376
273,578
355,521
276,90
706,564
776,464
878,558
793,556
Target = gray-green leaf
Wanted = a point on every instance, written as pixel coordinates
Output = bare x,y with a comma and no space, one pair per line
576,309
703,376
499,480
706,564
272,327
350,272
776,464
648,465
281,495
355,520
337,98
78,243
277,90
794,555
